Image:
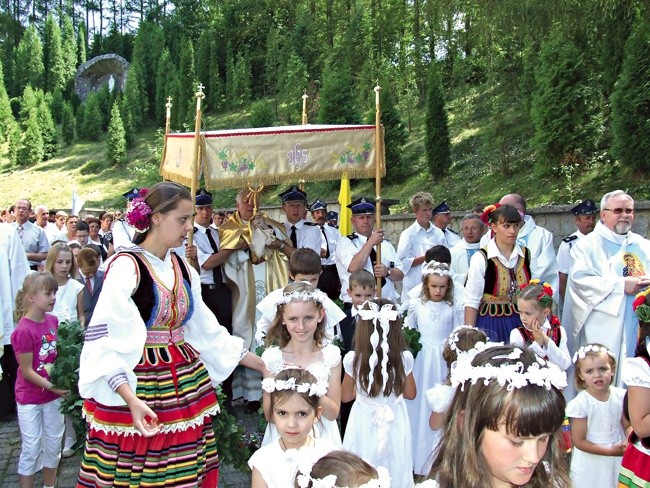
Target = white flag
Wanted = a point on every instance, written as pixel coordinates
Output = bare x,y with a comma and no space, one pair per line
77,204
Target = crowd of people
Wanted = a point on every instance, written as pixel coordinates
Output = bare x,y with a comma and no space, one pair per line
175,298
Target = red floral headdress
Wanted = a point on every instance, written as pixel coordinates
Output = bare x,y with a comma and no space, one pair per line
138,213
545,298
639,306
486,216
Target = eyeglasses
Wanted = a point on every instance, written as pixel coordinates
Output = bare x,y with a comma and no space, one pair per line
619,211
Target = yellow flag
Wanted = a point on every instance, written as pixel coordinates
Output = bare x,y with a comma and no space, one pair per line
345,215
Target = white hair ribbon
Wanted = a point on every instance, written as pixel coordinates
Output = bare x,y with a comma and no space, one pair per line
382,317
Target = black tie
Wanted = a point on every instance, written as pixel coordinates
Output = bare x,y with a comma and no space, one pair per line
293,237
327,244
373,260
217,269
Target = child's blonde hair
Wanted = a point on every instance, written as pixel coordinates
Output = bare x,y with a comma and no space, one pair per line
34,283
362,278
537,292
376,385
527,411
437,269
278,330
591,351
53,255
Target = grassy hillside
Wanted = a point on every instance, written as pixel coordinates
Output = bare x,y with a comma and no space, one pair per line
489,161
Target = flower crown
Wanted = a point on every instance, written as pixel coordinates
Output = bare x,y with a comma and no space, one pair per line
137,216
486,216
546,296
639,306
436,268
301,296
318,389
582,352
304,478
512,376
452,340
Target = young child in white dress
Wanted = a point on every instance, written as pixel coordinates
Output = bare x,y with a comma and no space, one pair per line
379,374
68,306
598,427
69,297
294,396
433,315
462,339
297,338
540,330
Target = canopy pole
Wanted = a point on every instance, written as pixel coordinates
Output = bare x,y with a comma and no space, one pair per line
168,115
304,107
195,161
378,176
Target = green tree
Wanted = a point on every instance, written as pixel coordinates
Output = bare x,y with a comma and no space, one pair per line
231,96
148,40
104,99
29,61
129,131
79,121
134,95
338,97
92,121
631,101
242,79
164,84
31,142
56,105
116,142
28,105
69,53
293,82
6,116
82,44
559,105
262,114
67,124
53,56
186,102
436,137
47,126
14,135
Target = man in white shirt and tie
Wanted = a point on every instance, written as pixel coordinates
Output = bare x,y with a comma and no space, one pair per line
329,280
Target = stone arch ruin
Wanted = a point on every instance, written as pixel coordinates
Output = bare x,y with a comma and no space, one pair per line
107,68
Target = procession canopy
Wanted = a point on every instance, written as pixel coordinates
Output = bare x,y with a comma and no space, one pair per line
274,155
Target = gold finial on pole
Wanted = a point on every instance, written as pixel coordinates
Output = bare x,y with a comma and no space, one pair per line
195,161
378,176
301,184
304,107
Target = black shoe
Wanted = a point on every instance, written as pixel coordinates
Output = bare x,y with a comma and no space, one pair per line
253,406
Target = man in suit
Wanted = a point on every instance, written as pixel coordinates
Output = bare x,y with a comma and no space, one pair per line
91,278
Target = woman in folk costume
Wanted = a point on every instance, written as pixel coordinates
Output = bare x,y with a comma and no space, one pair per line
258,267
152,355
495,275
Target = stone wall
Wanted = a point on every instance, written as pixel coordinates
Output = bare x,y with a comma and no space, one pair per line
99,70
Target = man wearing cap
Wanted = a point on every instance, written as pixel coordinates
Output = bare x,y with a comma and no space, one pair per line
252,277
357,251
609,267
416,239
32,236
585,220
442,219
123,233
537,239
215,292
329,280
300,232
332,219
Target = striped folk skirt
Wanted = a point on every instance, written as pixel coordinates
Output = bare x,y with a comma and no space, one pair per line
174,383
635,468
